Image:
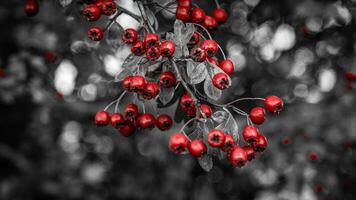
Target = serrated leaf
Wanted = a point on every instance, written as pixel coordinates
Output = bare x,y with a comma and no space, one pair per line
206,162
229,126
210,90
131,62
79,46
182,34
121,75
166,95
196,72
220,116
114,34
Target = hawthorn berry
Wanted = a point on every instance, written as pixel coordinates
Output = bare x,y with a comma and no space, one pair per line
214,61
220,15
167,48
273,104
210,47
227,66
229,143
138,48
146,121
197,15
164,122
167,79
198,54
194,40
197,148
261,144
127,83
138,83
31,8
153,53
182,13
95,33
130,36
206,109
151,40
238,156
191,112
216,138
150,91
221,81
257,115
210,23
313,156
251,154
117,120
185,3
250,134
108,7
178,143
127,129
350,76
186,102
92,12
131,111
102,118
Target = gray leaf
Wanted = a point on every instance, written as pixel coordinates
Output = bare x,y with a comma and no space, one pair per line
206,162
121,75
196,72
79,47
114,35
166,95
230,126
131,62
220,116
210,90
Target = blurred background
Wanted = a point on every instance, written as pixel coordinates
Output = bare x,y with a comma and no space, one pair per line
53,80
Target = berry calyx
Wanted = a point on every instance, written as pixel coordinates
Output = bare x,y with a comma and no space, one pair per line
150,91
108,7
138,48
127,129
261,144
273,104
229,143
92,12
257,115
197,15
227,66
198,54
146,121
221,81
182,13
95,33
153,53
210,23
164,122
191,112
197,148
220,15
102,118
206,109
131,111
130,36
238,157
151,40
117,120
250,134
186,102
178,143
167,79
210,47
216,138
251,154
167,48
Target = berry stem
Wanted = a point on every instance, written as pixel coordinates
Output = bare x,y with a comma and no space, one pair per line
144,16
202,27
118,101
245,99
113,20
217,3
109,105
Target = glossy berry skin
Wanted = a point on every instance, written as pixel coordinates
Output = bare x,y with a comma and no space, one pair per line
257,115
130,36
131,111
138,48
198,54
273,104
251,154
194,40
216,138
146,121
31,8
350,76
102,118
185,3
164,122
250,134
127,83
210,23
151,40
167,48
197,148
108,7
261,143
117,120
178,143
220,15
229,143
95,33
182,13
210,47
186,102
238,157
150,91
206,109
167,79
138,83
197,15
227,66
214,61
221,81
92,12
153,53
127,129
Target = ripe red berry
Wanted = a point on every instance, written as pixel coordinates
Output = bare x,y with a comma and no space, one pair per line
186,102
313,156
182,13
131,111
185,3
194,40
127,129
117,120
102,118
273,104
197,15
95,33
191,112
220,15
92,12
198,54
210,47
146,121
31,8
216,138
150,91
130,36
167,48
108,7
167,79
127,83
151,40
178,143
250,134
257,115
251,154
164,122
214,61
227,66
210,23
153,53
197,148
261,143
221,81
238,156
206,109
286,140
350,76
138,83
138,48
229,143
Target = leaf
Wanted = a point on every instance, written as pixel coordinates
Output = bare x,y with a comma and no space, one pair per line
64,3
79,46
114,34
182,35
220,116
166,95
131,62
196,72
121,75
206,162
210,90
230,126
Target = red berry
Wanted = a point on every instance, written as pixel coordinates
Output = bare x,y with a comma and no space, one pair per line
182,13
92,12
197,15
198,54
153,53
131,111
127,83
350,76
167,79
191,112
273,104
164,122
210,47
108,7
117,120
227,66
229,143
49,56
250,134
186,102
138,48
257,115
251,154
197,148
146,121
150,91
185,3
102,118
216,138
130,36
221,81
313,156
151,40
261,143
206,109
194,40
127,129
210,23
220,15
167,48
214,61
138,83
238,156
286,140
95,33
31,8
178,143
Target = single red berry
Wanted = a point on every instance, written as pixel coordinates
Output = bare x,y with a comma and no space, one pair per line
49,56
220,15
185,3
251,154
214,61
150,91
186,102
191,112
221,81
108,7
319,188
130,36
127,129
210,47
2,73
164,122
138,83
131,111
138,48
261,143
178,143
250,134
102,118
216,138
31,8
182,13
257,115
227,66
197,15
206,109
210,23
273,104
167,79
194,40
95,33
153,53
197,148
313,156
146,121
92,12
198,54
229,143
238,156
127,83
167,48
350,76
117,120
151,40
286,140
